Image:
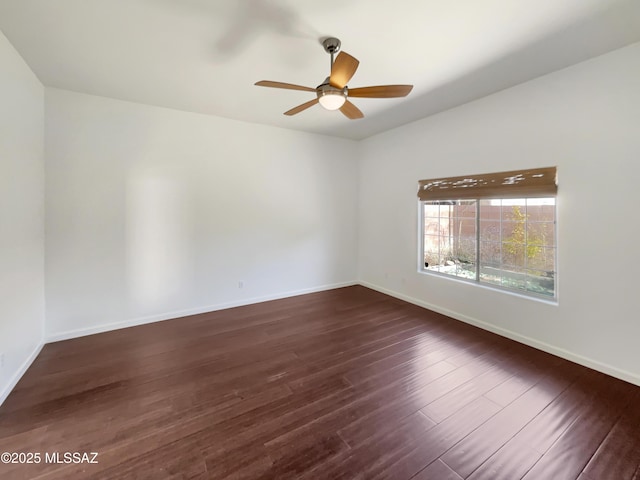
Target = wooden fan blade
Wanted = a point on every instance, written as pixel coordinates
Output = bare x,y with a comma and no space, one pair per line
288,86
381,91
302,107
342,70
351,111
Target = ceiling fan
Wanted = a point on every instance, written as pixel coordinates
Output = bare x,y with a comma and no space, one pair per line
333,93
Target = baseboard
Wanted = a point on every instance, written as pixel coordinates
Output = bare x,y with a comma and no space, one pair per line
18,375
545,347
66,335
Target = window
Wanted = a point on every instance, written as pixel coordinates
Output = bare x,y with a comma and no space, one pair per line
497,229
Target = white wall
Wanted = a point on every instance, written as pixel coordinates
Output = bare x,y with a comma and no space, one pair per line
586,120
154,213
21,216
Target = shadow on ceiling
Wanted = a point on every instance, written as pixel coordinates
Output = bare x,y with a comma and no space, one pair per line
247,20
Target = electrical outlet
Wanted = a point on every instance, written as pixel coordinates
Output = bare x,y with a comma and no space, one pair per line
1,360
240,284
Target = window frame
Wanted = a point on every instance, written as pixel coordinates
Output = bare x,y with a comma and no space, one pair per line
477,280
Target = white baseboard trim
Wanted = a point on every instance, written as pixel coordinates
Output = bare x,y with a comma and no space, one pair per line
13,381
81,332
560,352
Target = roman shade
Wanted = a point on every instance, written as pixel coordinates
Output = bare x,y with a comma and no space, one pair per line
538,182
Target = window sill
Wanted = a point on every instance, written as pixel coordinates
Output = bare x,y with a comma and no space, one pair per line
495,288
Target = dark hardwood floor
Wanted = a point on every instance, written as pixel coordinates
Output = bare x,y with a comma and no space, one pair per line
342,384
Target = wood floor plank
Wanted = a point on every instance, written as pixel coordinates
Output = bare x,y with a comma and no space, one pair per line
359,429
341,384
437,441
575,447
438,470
377,450
369,410
619,456
511,462
393,353
514,459
324,414
470,453
453,401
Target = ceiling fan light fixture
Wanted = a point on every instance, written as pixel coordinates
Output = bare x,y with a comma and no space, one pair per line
332,100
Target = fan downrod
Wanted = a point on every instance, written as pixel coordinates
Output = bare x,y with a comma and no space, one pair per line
331,46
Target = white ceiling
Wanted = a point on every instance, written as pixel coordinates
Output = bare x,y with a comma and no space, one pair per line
205,55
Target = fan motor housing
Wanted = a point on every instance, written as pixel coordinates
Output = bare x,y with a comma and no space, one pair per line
327,89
